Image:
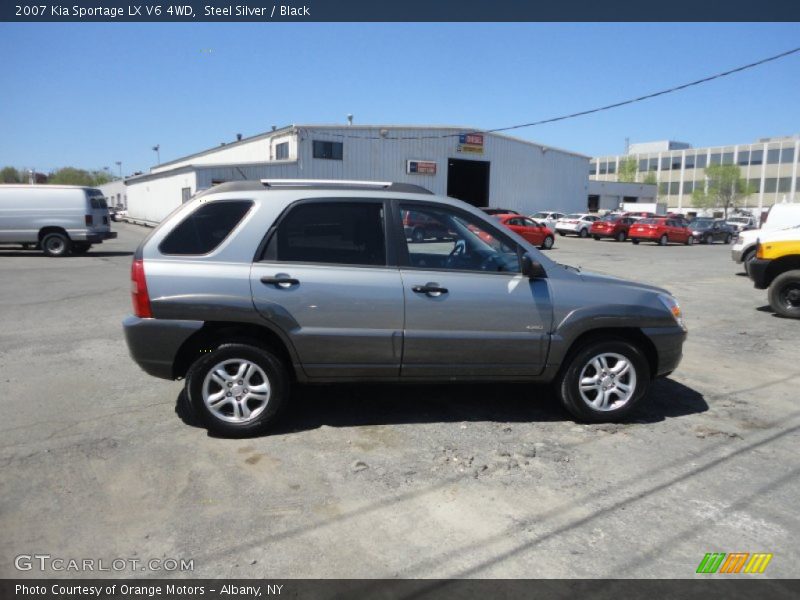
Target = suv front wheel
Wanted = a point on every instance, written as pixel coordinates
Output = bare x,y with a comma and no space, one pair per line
238,389
604,380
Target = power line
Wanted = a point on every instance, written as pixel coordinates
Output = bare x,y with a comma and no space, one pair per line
590,111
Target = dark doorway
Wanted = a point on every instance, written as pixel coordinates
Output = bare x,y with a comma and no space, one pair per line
468,180
594,203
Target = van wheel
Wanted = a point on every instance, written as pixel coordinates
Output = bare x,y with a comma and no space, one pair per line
663,240
547,244
238,389
784,294
80,248
604,381
56,244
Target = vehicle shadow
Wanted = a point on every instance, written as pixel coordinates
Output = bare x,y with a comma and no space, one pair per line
354,405
39,254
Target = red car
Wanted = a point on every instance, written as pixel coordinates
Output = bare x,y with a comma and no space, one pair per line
662,231
612,226
536,233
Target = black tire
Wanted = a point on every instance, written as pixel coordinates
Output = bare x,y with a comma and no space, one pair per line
568,380
277,379
56,244
748,256
548,242
784,294
418,235
690,240
728,238
663,240
584,233
621,236
562,233
80,247
709,239
635,242
596,238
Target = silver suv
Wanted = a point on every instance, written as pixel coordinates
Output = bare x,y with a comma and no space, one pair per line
251,286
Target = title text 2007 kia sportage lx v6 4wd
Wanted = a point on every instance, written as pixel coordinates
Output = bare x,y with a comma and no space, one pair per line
252,285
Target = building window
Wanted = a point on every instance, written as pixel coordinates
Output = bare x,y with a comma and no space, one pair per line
282,151
603,168
643,165
688,187
770,185
612,167
716,159
787,156
676,163
701,161
784,184
663,188
329,150
665,163
773,156
689,161
756,157
653,165
674,186
727,158
186,194
754,184
592,168
744,158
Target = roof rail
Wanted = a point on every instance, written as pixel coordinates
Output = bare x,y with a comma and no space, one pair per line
345,183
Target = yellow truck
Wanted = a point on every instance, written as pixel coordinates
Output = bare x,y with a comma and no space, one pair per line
777,268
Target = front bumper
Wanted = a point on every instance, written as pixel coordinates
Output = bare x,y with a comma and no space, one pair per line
668,342
736,254
757,271
154,343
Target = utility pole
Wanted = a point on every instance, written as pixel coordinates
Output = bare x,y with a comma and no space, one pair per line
157,150
119,164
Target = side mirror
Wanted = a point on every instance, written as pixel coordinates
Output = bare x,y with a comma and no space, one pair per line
532,269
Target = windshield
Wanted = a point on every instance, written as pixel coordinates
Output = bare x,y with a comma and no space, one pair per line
701,223
540,215
650,221
739,220
576,216
610,218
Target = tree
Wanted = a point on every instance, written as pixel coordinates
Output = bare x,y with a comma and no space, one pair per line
10,175
650,179
726,187
627,170
73,176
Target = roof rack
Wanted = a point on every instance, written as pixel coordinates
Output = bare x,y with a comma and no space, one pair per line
346,184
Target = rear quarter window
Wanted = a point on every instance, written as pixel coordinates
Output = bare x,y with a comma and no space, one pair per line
206,228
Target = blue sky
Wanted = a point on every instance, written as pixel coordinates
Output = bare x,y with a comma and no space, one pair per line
88,95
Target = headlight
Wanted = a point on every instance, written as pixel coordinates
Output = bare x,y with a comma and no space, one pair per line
674,308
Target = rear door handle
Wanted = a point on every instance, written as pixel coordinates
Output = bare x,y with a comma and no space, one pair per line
281,280
431,289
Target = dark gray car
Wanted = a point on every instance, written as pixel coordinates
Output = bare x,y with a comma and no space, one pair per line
709,231
252,286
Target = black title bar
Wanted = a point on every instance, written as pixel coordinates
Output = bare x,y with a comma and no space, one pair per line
395,11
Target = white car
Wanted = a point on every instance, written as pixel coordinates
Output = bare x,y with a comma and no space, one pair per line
577,223
547,218
743,223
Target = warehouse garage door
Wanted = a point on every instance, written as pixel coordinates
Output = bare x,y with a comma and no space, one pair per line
468,180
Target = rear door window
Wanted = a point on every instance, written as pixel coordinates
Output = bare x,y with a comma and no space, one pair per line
345,233
206,228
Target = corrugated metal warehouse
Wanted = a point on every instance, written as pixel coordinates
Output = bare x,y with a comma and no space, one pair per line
484,169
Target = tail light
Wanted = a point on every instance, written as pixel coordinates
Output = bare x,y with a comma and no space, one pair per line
89,220
139,295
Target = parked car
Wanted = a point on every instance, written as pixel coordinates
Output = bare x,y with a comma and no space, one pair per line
777,268
490,210
708,230
661,231
547,218
58,219
577,223
742,223
612,226
536,233
419,227
119,214
640,215
249,287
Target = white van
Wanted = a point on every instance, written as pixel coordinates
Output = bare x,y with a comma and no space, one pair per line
59,219
780,216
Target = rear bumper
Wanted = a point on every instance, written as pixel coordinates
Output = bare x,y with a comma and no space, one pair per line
93,237
757,271
668,342
154,343
640,235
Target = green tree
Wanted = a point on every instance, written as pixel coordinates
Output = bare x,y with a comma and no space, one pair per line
73,176
627,170
726,187
650,179
10,175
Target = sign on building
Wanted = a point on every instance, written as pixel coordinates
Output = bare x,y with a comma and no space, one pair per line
421,167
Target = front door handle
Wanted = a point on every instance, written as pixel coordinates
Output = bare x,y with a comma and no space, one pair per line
281,280
431,289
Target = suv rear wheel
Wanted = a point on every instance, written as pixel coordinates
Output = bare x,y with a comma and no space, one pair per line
238,389
604,380
784,294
